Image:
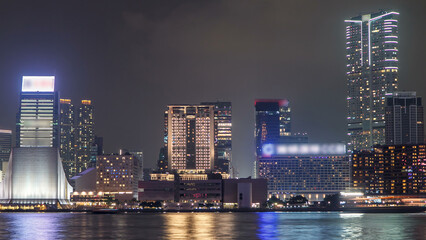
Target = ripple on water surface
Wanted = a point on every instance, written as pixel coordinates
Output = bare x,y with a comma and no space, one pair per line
266,225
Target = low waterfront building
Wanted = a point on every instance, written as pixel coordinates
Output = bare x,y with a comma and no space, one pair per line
117,174
85,181
35,176
310,170
214,191
390,170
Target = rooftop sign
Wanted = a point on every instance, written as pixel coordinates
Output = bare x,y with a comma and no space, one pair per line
38,83
298,149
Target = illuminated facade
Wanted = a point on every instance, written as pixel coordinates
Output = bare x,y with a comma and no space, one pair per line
5,146
404,119
35,176
38,117
84,135
312,170
67,131
190,137
273,121
117,173
390,170
222,135
372,71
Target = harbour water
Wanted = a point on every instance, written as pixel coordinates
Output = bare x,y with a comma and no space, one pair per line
265,225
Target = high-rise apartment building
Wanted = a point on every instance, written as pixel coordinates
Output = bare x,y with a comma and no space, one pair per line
67,148
190,137
37,122
372,72
85,135
404,119
272,121
5,146
222,135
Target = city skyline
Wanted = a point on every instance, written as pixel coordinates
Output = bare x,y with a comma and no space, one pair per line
273,71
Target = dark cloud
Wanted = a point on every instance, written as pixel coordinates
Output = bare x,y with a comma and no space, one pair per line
132,58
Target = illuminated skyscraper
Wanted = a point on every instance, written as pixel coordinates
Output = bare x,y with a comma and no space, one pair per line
190,137
372,71
272,121
222,135
67,148
5,146
38,117
85,135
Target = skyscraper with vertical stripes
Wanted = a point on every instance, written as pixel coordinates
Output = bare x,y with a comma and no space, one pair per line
372,72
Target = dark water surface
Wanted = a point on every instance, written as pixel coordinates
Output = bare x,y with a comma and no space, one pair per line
272,225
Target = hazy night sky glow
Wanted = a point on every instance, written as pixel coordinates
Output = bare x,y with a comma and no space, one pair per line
132,58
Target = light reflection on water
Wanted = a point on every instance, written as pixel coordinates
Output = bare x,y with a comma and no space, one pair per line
267,225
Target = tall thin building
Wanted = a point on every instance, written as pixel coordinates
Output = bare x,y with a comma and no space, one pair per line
404,119
37,122
85,135
67,148
190,137
372,71
222,135
5,146
285,118
272,121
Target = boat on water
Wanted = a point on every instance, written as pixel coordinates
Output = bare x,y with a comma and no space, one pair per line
105,211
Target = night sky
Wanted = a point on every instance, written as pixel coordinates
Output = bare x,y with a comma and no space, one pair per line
132,58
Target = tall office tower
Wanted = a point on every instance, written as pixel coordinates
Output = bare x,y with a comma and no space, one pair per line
272,121
190,137
85,135
222,135
5,146
66,125
37,122
372,71
404,119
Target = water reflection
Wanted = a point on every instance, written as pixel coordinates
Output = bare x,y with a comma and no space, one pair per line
280,225
34,226
268,224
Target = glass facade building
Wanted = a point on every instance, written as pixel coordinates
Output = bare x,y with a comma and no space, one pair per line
372,72
404,119
273,120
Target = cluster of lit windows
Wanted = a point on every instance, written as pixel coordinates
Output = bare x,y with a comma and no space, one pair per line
116,173
325,173
190,134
